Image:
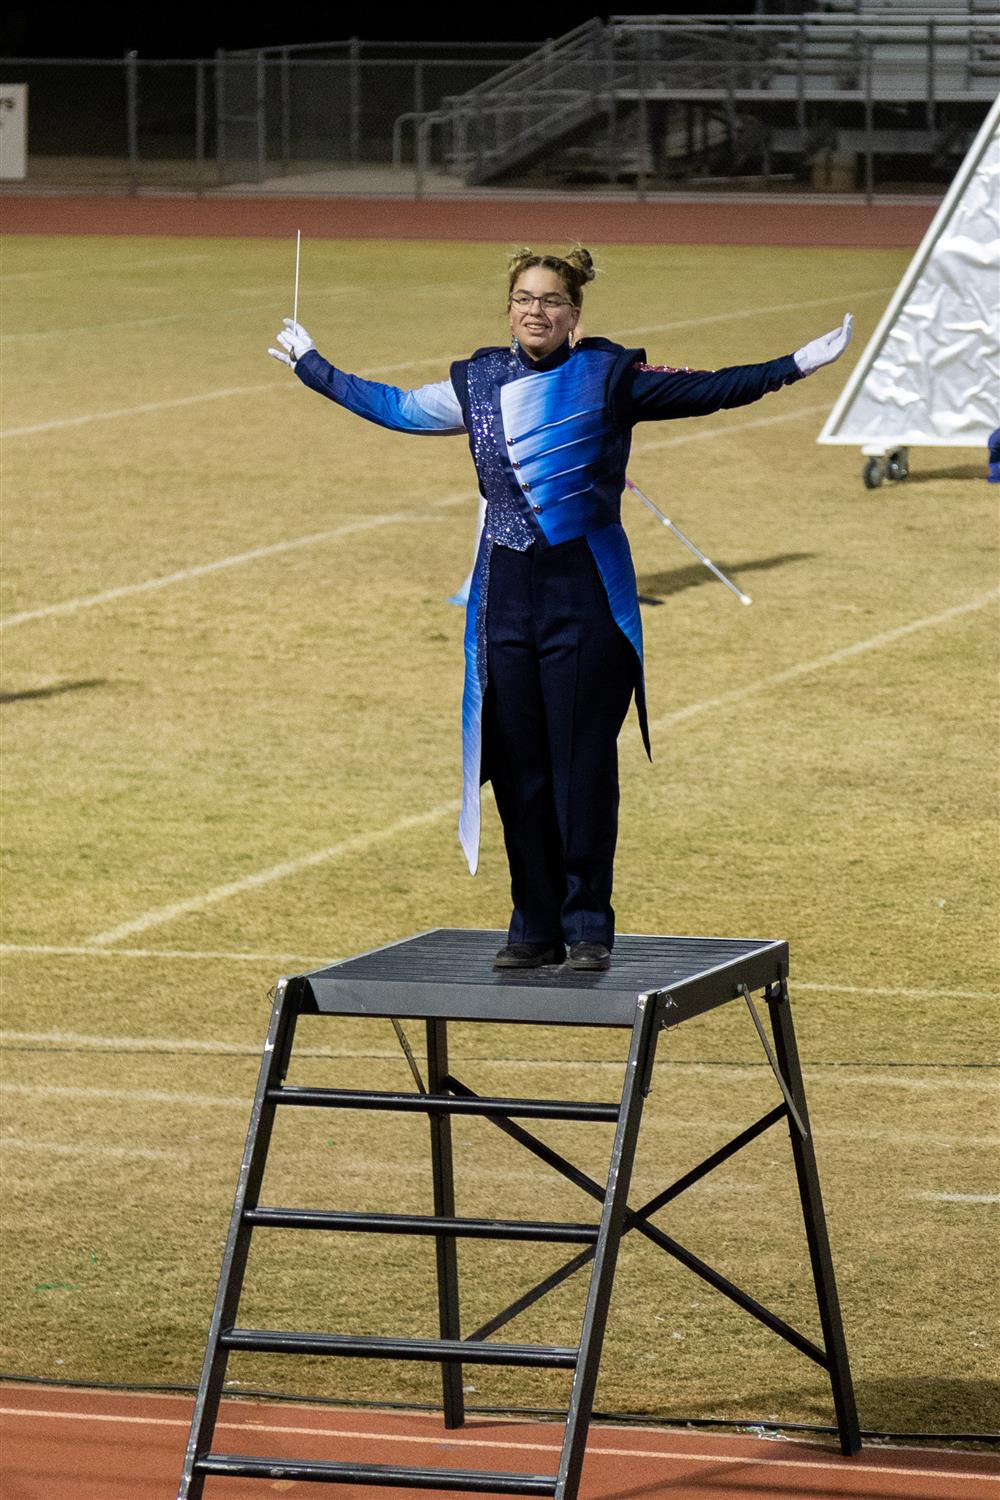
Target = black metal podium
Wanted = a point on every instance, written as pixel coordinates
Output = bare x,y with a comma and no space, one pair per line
446,975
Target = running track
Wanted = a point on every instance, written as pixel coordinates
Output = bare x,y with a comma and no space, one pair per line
681,221
79,1445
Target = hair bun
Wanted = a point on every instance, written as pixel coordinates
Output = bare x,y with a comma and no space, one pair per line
582,262
514,265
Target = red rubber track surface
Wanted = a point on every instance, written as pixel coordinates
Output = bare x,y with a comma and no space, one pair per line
731,222
82,1445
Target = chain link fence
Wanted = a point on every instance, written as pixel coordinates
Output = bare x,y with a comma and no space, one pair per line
137,124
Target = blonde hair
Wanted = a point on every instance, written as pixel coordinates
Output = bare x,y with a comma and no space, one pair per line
574,269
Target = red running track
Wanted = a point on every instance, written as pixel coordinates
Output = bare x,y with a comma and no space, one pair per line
733,221
61,1444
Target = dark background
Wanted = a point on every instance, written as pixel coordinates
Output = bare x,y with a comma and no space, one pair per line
196,30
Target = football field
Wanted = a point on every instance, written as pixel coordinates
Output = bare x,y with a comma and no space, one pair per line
231,684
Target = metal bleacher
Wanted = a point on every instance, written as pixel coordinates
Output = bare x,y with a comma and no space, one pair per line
678,93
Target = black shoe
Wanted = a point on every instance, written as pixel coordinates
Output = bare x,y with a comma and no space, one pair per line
525,956
589,956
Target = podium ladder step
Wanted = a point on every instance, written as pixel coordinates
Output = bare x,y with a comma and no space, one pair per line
371,1223
458,1351
238,1465
449,1104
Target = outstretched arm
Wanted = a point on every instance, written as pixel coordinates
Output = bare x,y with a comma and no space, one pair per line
430,409
660,392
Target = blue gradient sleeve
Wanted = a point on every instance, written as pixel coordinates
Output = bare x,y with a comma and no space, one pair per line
430,409
659,393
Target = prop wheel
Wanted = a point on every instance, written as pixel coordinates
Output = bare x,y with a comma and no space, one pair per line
897,465
872,474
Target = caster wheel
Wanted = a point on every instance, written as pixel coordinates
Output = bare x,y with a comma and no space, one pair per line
872,474
897,466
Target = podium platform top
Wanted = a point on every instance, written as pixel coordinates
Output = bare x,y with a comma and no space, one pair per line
448,973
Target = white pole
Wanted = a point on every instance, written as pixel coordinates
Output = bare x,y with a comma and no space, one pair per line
298,251
743,598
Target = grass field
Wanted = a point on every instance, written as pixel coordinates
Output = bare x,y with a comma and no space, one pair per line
231,686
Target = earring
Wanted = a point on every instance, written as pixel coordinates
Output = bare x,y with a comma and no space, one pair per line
514,345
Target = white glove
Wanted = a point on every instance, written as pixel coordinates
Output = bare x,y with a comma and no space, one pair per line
294,343
825,350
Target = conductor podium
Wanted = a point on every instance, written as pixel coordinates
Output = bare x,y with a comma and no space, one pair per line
446,975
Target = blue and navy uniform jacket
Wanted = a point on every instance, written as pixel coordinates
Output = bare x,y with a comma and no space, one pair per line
550,441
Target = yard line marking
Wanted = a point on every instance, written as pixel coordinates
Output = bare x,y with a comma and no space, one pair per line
125,590
163,914
114,269
466,1440
731,429
910,994
818,663
130,1096
223,394
957,1197
841,1075
356,845
117,325
314,961
92,1148
754,312
873,1134
130,411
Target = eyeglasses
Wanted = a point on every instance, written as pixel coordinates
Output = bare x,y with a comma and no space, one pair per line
550,301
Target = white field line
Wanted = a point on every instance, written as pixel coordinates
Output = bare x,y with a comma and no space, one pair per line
361,842
465,1439
820,663
116,268
872,1134
841,299
866,1134
441,360
699,434
118,325
224,393
91,1148
312,961
840,1075
956,1197
356,845
166,580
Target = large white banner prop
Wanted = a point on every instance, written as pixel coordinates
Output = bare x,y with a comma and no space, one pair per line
931,371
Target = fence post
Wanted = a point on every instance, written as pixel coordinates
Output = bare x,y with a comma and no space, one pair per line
612,86
640,176
220,112
869,161
931,72
355,98
132,118
199,121
261,118
286,113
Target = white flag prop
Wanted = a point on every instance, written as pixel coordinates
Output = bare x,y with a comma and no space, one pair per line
931,371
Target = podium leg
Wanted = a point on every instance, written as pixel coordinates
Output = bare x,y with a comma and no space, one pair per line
811,1198
446,1249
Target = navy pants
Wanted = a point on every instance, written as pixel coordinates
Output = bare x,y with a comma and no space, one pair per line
560,676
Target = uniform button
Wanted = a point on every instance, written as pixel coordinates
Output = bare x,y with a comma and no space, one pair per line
511,442
536,507
525,485
516,464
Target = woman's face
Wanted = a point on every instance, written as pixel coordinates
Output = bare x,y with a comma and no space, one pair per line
540,329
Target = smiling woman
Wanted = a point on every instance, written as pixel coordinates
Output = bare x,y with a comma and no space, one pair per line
553,640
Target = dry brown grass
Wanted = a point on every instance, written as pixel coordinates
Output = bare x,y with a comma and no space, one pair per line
164,744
